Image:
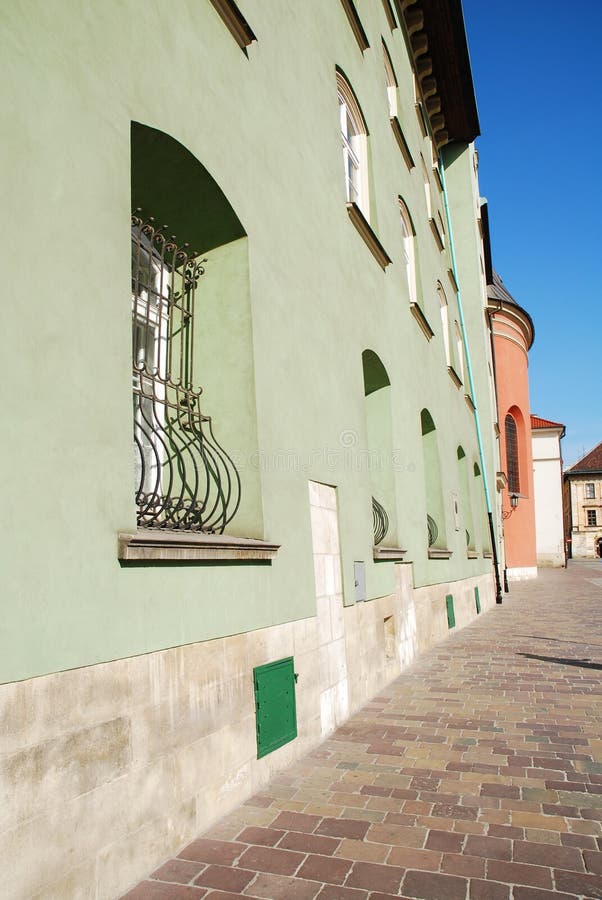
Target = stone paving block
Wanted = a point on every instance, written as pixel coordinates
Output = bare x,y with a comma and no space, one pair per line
434,886
269,837
362,851
225,878
488,890
159,890
374,877
519,873
336,892
575,883
343,828
220,852
397,834
547,855
527,893
270,859
181,871
325,869
281,887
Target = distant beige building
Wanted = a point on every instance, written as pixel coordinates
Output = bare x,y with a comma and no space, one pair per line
547,486
583,506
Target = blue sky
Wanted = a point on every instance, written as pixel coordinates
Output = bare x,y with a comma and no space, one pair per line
536,68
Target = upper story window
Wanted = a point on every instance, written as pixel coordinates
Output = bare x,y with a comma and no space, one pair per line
427,189
391,83
591,517
590,490
409,255
512,469
459,350
444,324
354,138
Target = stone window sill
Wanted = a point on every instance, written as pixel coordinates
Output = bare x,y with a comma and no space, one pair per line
379,554
439,553
401,142
372,242
436,234
469,402
472,554
487,554
235,22
147,545
422,320
454,376
356,24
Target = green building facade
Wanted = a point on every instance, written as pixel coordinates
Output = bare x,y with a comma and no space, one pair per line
282,169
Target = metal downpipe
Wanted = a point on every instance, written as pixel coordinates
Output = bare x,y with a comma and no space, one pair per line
498,586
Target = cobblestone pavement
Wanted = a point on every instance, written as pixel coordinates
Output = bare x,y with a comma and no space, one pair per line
476,775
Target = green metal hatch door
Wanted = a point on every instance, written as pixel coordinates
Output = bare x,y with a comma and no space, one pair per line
275,708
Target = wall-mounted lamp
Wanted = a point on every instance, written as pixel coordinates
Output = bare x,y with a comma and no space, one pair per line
514,498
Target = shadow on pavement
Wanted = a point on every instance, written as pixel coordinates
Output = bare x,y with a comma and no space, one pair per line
581,663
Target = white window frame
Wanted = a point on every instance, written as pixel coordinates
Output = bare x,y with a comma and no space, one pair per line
354,139
427,189
391,83
593,524
409,250
459,350
444,323
153,319
587,495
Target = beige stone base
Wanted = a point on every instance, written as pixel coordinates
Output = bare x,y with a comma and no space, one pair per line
521,573
108,770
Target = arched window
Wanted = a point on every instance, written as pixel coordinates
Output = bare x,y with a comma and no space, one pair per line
391,82
184,476
409,251
444,323
465,499
427,188
355,146
512,469
435,509
379,430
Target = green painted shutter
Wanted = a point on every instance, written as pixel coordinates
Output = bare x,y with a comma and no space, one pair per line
477,600
451,617
275,709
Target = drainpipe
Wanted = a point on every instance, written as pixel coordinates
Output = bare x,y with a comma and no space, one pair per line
496,572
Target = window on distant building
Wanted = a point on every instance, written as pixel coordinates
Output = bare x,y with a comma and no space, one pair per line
590,490
427,189
591,517
409,250
354,138
512,470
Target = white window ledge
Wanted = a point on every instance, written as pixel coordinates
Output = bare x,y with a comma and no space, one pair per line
472,554
148,545
422,320
454,376
372,242
439,553
391,553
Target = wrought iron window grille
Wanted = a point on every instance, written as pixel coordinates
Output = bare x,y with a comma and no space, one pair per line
184,478
432,530
380,521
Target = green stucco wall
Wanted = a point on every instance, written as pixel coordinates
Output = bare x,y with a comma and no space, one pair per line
281,359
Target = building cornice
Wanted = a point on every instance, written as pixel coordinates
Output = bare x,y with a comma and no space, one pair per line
436,39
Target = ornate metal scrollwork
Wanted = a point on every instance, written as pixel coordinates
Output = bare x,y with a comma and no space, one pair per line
185,479
380,521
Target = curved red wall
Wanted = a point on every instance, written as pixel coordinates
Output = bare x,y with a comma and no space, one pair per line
512,385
